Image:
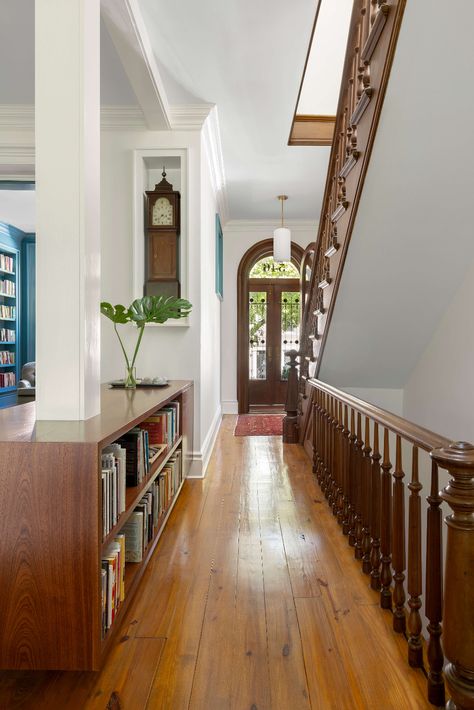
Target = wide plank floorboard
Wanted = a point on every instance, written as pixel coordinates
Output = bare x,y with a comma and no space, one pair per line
252,601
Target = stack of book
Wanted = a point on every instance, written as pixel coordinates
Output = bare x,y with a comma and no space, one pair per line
7,311
6,263
136,444
113,581
163,427
7,335
7,379
7,357
7,287
142,524
113,485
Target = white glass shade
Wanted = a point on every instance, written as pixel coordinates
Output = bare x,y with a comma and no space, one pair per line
282,244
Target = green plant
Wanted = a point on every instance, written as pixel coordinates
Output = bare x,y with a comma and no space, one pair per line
149,309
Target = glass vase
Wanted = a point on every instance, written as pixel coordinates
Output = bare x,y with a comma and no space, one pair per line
130,381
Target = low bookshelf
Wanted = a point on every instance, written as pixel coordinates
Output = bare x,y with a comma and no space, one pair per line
52,536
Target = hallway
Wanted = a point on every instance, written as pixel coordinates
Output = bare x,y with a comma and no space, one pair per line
252,602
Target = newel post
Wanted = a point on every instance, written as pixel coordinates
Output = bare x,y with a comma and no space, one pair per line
458,614
290,422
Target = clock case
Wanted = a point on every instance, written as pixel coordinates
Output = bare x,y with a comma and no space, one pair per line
162,244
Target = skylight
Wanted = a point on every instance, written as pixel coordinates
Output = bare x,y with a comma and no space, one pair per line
322,78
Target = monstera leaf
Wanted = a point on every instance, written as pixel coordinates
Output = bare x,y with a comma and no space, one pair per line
149,309
157,309
117,314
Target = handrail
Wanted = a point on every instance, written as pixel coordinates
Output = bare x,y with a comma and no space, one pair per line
416,435
368,495
372,39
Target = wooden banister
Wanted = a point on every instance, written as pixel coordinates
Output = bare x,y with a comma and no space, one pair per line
367,494
372,39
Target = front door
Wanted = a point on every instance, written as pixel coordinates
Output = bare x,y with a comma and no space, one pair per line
273,327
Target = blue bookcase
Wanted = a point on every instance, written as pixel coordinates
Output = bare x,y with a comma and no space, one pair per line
9,316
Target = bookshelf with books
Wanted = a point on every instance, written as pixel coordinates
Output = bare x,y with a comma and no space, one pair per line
9,360
93,500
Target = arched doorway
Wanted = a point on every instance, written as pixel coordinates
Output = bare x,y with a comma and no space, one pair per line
268,312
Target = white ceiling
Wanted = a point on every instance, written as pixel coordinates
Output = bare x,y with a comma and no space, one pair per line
18,208
17,78
322,79
246,57
413,239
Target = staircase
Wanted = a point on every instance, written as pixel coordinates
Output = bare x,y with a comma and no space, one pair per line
377,469
371,45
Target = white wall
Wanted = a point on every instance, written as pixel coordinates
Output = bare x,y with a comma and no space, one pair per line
412,243
238,237
439,392
211,315
388,399
174,352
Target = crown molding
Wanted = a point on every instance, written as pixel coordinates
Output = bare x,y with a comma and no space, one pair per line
186,117
17,117
17,153
213,149
21,117
268,225
189,117
116,118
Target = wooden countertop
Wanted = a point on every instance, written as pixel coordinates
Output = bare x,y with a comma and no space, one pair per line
120,410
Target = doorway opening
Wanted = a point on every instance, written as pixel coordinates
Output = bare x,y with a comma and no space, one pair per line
269,310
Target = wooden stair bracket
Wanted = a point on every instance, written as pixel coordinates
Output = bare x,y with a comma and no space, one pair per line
366,492
290,422
372,40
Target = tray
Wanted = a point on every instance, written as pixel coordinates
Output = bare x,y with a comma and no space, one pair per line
119,384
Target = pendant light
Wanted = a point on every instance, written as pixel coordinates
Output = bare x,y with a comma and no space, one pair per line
282,238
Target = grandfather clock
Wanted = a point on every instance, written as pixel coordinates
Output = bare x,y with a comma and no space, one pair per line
162,240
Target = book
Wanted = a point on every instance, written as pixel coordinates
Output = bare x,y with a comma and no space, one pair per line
133,531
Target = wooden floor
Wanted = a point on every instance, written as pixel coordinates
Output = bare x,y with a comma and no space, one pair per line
252,601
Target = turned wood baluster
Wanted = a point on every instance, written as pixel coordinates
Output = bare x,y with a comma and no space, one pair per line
320,436
335,444
366,529
434,591
320,468
358,552
315,434
330,481
346,443
352,482
458,612
375,510
415,650
340,482
337,459
386,527
323,441
327,445
330,488
398,542
327,440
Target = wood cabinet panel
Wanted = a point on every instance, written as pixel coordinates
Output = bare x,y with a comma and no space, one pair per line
51,528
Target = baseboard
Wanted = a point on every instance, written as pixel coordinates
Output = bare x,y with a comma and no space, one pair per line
201,458
230,406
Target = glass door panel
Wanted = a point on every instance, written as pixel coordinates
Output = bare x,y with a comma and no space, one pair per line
258,306
290,327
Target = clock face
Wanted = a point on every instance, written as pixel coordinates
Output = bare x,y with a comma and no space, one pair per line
162,212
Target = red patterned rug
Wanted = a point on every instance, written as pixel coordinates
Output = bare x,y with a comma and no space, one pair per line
259,425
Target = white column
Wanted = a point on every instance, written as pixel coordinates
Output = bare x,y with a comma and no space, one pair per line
68,223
